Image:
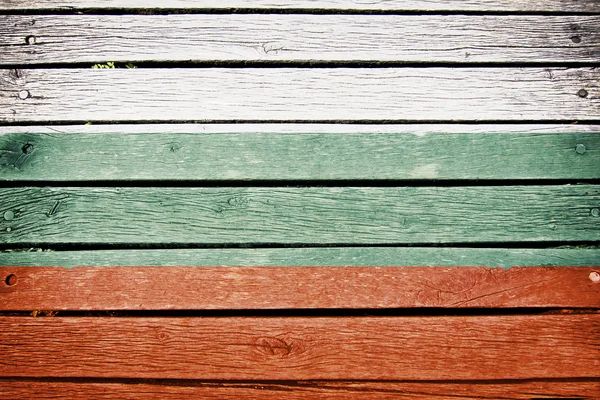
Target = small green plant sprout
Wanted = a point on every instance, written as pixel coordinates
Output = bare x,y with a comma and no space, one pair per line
108,65
111,64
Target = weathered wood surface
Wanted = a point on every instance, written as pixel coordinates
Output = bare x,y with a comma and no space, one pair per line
294,215
329,390
586,6
303,348
330,256
249,288
405,154
409,94
279,37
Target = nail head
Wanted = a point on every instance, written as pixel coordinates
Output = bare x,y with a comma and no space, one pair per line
595,212
580,148
9,215
11,280
576,39
28,148
595,277
582,93
23,94
30,39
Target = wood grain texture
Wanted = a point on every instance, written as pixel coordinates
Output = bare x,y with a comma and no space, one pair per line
409,94
135,154
328,390
293,37
299,348
300,215
588,6
330,256
248,288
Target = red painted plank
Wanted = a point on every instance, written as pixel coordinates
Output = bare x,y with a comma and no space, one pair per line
167,288
303,348
18,390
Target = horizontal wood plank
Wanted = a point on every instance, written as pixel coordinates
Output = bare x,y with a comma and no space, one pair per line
18,389
298,348
300,94
299,215
292,37
238,154
389,5
245,288
327,256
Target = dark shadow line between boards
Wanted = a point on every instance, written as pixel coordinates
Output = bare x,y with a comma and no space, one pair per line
28,246
295,383
299,64
283,11
490,122
295,183
304,312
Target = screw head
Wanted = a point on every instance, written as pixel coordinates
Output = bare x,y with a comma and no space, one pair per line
595,212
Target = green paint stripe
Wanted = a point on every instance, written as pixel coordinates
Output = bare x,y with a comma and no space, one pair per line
133,155
355,256
300,215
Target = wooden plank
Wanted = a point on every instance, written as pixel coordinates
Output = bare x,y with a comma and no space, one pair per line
405,154
303,348
329,256
216,288
292,37
301,94
586,6
300,215
16,389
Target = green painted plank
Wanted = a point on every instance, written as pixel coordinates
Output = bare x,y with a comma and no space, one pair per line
336,256
406,154
295,215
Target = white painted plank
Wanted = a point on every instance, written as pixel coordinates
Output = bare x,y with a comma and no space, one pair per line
417,94
276,37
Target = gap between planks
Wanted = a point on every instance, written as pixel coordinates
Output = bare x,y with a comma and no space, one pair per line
580,6
328,390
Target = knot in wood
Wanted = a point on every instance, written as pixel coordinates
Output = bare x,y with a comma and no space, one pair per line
279,346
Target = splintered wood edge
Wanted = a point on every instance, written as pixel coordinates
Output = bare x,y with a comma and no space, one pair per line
253,288
303,348
328,390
